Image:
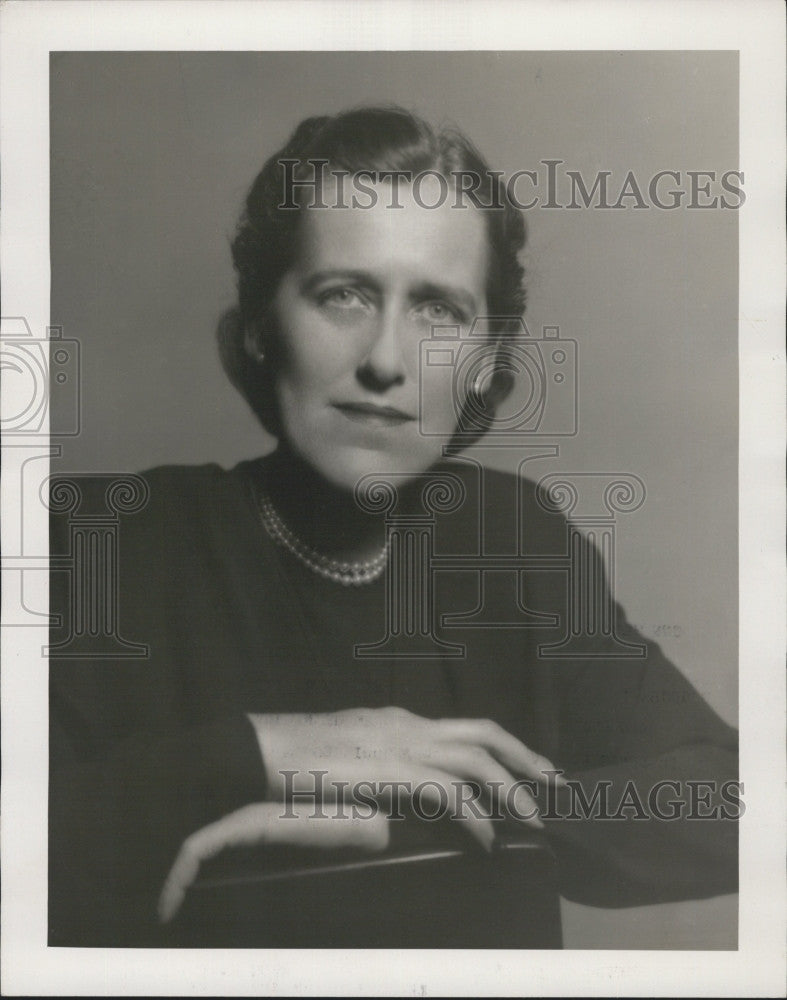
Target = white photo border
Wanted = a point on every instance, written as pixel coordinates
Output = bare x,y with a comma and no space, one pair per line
30,30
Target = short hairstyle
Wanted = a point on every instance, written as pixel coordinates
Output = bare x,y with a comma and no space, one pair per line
363,139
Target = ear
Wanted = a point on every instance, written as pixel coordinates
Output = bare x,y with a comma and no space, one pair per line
254,340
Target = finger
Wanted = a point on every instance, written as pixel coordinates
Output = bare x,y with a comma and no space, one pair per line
442,791
263,823
243,827
506,748
478,765
329,831
474,762
180,877
521,805
300,825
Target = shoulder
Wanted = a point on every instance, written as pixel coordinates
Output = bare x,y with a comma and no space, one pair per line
174,479
185,487
166,500
74,488
203,498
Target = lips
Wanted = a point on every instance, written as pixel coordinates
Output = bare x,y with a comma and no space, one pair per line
373,415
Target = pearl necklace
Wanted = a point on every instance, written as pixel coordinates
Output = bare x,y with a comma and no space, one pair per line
348,574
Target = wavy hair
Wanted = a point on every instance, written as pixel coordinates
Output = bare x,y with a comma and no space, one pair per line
363,139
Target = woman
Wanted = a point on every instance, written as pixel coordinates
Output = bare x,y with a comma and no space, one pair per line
258,590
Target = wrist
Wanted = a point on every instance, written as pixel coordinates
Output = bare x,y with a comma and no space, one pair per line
262,726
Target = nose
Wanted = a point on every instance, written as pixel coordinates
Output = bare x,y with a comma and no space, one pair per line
383,365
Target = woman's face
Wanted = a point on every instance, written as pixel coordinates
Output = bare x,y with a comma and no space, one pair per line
351,314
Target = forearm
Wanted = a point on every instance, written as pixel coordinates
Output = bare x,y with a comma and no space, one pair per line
117,820
648,831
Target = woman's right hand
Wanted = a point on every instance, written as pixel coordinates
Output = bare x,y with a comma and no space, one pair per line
260,824
379,751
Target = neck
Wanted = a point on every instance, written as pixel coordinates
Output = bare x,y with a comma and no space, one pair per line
322,516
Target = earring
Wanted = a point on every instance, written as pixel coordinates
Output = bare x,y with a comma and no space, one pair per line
253,343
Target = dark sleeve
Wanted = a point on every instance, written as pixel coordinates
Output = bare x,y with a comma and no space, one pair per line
618,725
651,808
116,821
132,773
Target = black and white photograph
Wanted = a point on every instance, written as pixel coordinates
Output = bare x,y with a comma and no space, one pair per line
379,505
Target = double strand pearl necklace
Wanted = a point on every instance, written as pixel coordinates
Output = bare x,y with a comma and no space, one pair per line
348,574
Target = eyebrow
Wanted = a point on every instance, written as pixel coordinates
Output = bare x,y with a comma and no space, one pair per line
422,290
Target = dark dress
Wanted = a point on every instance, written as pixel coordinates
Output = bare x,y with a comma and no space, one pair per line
144,752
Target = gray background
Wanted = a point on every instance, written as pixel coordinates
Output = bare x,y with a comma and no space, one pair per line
152,154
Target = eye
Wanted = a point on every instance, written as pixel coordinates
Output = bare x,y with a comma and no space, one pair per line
342,297
441,312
